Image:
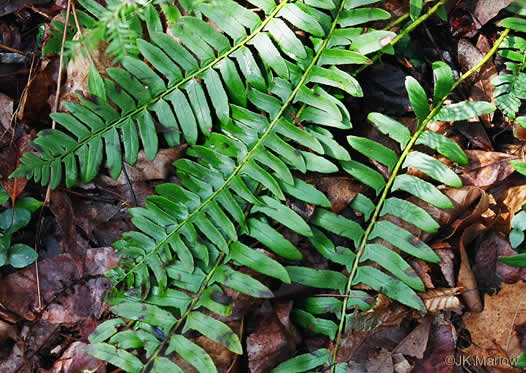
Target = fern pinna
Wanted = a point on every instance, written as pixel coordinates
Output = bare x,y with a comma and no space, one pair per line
235,96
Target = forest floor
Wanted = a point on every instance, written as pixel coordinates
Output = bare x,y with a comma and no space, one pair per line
47,311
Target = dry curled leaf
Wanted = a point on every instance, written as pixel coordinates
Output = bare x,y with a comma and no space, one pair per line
443,299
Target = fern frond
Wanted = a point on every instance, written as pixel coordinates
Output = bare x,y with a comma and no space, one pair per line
510,84
381,247
186,92
189,234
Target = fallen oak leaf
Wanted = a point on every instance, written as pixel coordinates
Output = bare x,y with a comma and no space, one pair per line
492,331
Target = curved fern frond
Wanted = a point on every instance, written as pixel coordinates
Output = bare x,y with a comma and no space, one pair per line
190,235
187,84
391,225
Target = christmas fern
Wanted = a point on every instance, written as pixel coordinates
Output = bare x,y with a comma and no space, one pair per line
236,97
510,85
382,244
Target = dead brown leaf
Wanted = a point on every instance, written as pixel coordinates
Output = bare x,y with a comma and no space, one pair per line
9,161
339,190
41,87
18,291
492,331
446,265
466,278
78,70
476,134
273,341
443,299
486,10
441,344
509,196
74,359
415,343
6,112
489,271
486,168
144,169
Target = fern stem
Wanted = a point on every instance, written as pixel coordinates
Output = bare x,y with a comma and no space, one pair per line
397,21
405,153
196,74
405,32
183,317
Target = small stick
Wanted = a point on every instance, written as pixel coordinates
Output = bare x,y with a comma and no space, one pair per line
12,50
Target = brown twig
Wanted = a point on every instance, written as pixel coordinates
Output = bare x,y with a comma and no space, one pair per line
53,125
12,50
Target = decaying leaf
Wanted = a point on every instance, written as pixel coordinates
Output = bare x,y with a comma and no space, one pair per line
415,343
272,341
441,345
145,169
492,331
486,168
466,279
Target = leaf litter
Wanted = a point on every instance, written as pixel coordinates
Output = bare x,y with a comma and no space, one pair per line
464,295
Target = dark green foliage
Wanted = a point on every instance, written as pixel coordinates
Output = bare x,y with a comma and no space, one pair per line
11,221
234,97
510,85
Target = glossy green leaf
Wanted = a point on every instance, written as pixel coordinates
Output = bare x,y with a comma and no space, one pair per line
423,190
393,288
515,260
374,150
393,263
95,83
192,353
365,174
105,330
514,23
443,80
241,282
410,213
258,261
304,362
21,255
445,146
362,15
403,240
391,128
317,325
317,278
464,110
120,358
215,330
283,214
337,224
418,98
415,8
273,240
433,168
153,315
335,77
